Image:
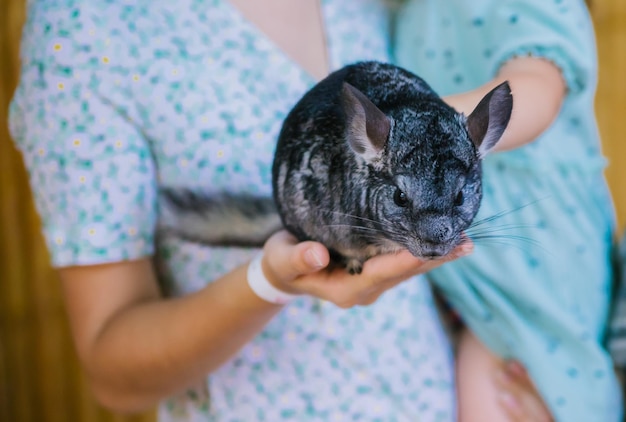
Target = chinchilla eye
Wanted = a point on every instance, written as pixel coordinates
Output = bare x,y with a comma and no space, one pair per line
400,198
458,201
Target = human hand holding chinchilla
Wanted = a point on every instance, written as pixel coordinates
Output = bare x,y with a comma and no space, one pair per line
302,268
372,161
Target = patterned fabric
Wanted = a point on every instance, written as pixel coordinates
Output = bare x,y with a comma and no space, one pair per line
538,286
117,97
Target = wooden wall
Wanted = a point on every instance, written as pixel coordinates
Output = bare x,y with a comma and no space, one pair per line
40,380
610,22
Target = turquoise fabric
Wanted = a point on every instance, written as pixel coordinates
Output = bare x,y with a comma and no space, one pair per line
118,97
538,286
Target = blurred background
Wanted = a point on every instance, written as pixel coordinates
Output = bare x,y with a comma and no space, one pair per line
40,380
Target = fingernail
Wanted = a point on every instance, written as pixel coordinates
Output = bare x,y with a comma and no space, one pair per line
313,259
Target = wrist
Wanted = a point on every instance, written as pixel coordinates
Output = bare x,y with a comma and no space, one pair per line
263,287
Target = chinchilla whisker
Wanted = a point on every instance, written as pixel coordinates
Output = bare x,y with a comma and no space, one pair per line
502,232
352,226
508,240
356,217
488,236
496,229
491,218
367,232
381,226
481,233
503,213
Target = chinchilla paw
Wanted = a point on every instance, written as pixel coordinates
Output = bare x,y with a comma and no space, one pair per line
354,266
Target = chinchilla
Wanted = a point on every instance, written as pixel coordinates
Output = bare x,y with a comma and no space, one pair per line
369,161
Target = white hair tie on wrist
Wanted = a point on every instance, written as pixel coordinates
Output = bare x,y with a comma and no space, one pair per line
261,286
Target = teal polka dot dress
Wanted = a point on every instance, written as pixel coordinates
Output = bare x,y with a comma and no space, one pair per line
538,286
118,97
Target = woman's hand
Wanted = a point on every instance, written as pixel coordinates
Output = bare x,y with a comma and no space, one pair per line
518,396
303,268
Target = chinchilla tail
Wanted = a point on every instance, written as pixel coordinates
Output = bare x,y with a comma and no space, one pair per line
218,219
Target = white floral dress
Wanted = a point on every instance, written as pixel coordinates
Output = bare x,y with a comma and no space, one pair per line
119,97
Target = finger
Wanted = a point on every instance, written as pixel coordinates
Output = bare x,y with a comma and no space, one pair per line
512,406
405,265
399,264
528,394
381,273
286,258
519,397
514,374
463,249
339,287
346,290
517,371
287,261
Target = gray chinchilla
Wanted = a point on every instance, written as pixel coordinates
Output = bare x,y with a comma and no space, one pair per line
369,161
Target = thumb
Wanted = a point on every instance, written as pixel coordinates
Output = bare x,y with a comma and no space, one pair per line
286,258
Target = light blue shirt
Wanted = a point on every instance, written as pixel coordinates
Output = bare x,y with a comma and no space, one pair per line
538,286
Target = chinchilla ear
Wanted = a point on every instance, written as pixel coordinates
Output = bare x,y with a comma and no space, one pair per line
490,117
367,128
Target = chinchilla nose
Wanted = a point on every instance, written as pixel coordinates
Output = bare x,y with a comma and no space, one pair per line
435,251
435,230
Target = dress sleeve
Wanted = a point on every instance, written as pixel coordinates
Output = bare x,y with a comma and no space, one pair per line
91,172
558,30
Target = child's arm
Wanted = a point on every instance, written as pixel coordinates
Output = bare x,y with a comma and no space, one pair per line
538,90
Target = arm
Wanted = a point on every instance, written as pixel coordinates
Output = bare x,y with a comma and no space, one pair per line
137,347
538,91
